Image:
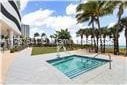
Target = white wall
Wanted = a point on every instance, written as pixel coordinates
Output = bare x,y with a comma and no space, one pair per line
12,11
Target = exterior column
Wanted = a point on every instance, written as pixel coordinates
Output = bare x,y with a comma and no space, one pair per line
11,34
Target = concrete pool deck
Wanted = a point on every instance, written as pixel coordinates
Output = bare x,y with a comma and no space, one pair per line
27,69
6,60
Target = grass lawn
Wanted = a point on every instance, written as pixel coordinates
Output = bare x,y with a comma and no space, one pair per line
44,50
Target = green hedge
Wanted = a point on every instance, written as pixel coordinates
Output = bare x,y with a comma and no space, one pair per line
17,48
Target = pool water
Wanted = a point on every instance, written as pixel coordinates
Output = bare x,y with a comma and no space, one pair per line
75,65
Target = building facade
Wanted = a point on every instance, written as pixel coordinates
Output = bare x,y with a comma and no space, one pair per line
10,22
25,30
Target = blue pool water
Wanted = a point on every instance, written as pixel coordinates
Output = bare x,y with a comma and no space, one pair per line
75,65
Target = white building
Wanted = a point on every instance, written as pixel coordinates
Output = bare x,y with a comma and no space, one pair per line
25,30
10,19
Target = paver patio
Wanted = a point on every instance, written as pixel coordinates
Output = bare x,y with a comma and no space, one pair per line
27,69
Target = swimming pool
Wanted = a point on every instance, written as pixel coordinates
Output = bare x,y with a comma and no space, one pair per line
75,65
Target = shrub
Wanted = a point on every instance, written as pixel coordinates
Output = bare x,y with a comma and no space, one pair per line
12,50
17,48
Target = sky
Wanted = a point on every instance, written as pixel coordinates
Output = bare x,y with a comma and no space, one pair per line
48,16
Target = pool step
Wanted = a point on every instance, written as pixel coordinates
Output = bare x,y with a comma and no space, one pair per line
83,71
77,72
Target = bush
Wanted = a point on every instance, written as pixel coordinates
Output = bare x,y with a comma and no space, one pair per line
17,48
12,50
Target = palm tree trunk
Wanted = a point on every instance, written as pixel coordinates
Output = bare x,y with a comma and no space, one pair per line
86,40
126,40
91,45
116,46
104,45
97,46
81,41
51,42
99,32
117,38
94,37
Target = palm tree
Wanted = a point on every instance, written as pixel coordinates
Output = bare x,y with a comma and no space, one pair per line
87,33
97,39
124,24
85,15
80,33
63,34
92,37
105,33
36,35
43,35
51,36
121,5
92,11
113,30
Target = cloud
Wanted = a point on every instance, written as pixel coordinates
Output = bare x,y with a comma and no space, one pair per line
62,22
71,9
85,1
36,17
23,4
46,18
111,24
43,20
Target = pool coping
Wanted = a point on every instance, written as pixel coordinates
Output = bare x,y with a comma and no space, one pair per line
59,58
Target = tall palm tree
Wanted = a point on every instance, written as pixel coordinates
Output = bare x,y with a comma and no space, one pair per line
112,32
92,11
80,33
92,36
121,6
97,39
84,15
105,33
124,24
